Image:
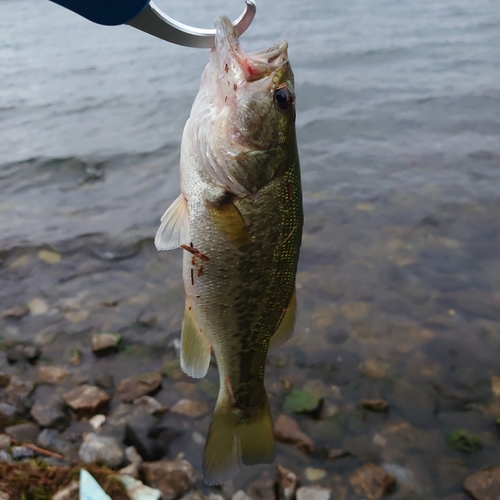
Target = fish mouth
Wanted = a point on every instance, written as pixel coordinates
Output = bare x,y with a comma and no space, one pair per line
248,67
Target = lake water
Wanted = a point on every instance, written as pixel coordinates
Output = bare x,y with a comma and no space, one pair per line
399,281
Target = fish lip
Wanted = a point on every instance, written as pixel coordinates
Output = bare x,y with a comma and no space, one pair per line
255,65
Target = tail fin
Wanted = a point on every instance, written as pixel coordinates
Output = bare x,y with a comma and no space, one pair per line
235,439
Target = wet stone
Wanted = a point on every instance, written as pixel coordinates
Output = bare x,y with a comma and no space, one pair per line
51,375
373,368
4,457
23,432
18,391
484,485
313,493
8,414
287,430
15,312
372,482
376,405
172,478
97,421
139,385
133,456
148,404
48,411
86,399
101,449
51,439
5,441
22,352
104,380
190,408
21,452
287,483
104,343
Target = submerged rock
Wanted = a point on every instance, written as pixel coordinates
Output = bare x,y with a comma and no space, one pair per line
22,352
172,478
86,399
371,481
484,485
287,483
287,430
463,440
103,343
52,375
377,405
148,404
190,408
18,391
139,385
103,449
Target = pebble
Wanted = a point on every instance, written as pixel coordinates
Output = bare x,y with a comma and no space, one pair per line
97,421
172,478
240,495
287,430
103,343
190,408
377,405
139,385
48,412
37,307
484,485
23,432
130,470
287,483
15,312
313,493
22,352
148,404
5,441
102,449
133,456
313,474
86,399
18,390
371,481
49,256
104,380
8,415
21,452
5,457
137,490
373,368
51,439
52,375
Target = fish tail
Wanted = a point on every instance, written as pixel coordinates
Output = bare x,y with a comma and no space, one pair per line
237,437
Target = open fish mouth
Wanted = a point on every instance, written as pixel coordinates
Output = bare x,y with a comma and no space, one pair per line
248,67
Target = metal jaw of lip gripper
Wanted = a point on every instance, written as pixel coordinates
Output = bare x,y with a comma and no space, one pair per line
153,21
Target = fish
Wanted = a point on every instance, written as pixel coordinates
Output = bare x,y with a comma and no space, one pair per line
239,221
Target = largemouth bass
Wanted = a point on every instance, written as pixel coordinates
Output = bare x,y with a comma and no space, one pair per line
239,221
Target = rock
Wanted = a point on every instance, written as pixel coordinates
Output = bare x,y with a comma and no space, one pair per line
262,488
139,385
373,368
69,492
463,440
86,399
8,415
74,357
103,449
337,453
147,404
130,470
240,495
22,352
287,430
15,312
21,452
484,485
97,421
23,432
38,307
313,493
329,409
18,391
313,474
90,489
287,483
48,412
190,408
172,478
137,490
104,380
4,457
49,256
5,441
147,435
147,320
52,375
302,402
377,405
371,481
51,439
133,456
103,343
4,379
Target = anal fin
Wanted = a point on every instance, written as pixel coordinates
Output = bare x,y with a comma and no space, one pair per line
195,347
285,327
174,227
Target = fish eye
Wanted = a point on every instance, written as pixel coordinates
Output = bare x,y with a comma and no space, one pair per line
283,97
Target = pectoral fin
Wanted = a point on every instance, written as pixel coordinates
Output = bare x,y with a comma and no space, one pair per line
195,347
174,227
230,222
285,326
